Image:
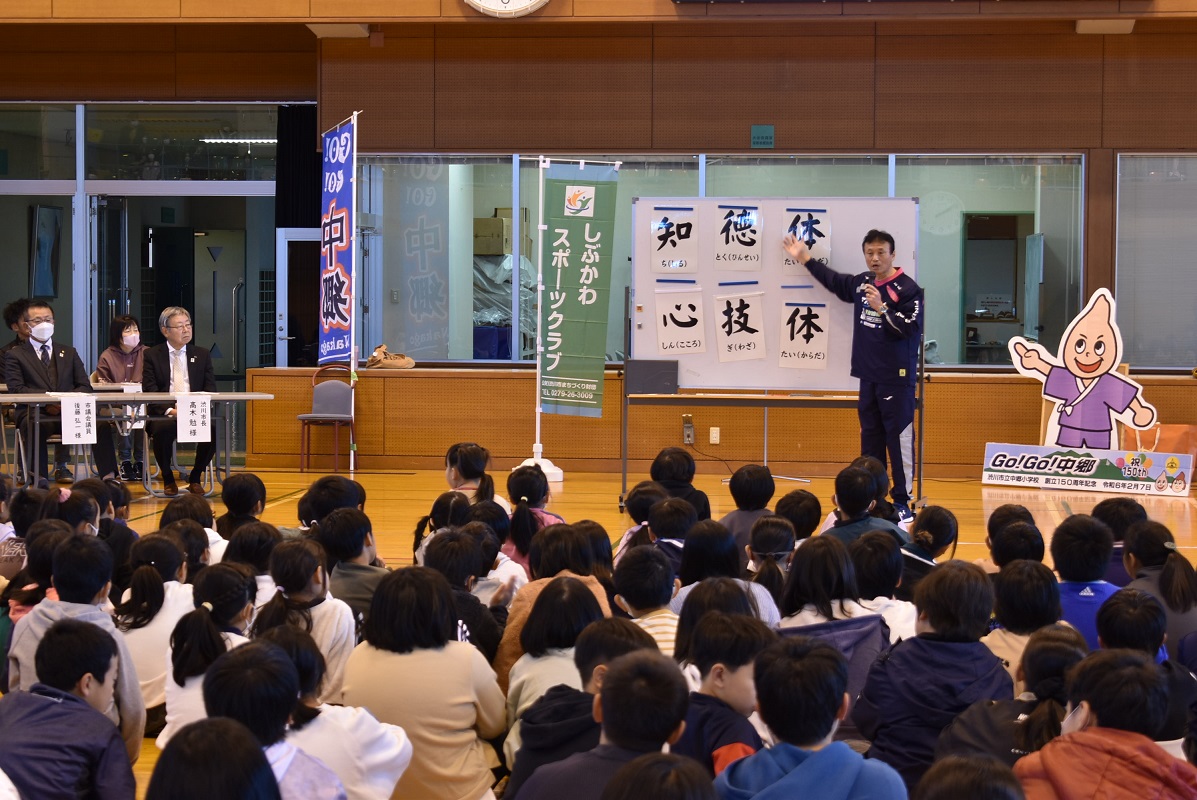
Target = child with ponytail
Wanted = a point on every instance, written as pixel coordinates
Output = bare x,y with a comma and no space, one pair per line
223,596
157,598
770,549
931,534
448,511
528,488
1009,729
465,471
1161,570
302,601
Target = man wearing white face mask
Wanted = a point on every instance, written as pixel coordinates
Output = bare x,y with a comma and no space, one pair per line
43,365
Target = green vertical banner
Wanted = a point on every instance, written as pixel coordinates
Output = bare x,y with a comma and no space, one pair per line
580,214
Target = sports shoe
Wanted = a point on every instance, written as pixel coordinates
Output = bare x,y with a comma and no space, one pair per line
126,471
904,512
137,473
64,476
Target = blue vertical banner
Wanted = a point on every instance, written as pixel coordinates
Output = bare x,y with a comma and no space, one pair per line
338,242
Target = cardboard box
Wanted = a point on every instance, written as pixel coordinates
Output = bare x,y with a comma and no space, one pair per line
527,247
506,213
492,236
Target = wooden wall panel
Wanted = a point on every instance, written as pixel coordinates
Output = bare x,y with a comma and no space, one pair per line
158,62
988,93
116,9
708,92
392,84
221,76
1151,91
86,76
232,9
534,94
400,429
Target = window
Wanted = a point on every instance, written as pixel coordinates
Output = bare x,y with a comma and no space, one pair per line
1156,206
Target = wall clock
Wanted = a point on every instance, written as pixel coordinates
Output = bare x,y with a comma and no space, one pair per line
506,8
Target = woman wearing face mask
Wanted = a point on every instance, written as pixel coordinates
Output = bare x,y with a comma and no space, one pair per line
121,362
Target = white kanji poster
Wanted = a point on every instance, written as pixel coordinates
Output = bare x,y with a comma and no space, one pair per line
813,226
78,419
195,417
680,324
740,327
674,240
738,241
804,336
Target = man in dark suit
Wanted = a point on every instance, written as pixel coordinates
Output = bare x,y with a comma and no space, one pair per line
40,365
177,366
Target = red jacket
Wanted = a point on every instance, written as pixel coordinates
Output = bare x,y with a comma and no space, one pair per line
1108,764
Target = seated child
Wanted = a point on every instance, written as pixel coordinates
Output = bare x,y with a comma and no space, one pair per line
718,732
642,706
921,684
674,469
882,507
528,488
450,509
639,500
662,776
803,510
644,583
223,599
933,531
298,569
562,721
77,666
821,586
559,615
1081,552
668,523
751,488
878,561
1026,598
1135,620
497,572
801,687
244,497
770,550
968,776
348,539
1002,516
458,556
212,758
257,685
1017,541
367,755
251,546
193,507
1007,730
1117,701
854,498
1118,513
82,571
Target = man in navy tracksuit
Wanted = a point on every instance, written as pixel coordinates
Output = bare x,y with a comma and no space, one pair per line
887,330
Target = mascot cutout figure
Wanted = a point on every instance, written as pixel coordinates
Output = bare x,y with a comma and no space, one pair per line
1082,379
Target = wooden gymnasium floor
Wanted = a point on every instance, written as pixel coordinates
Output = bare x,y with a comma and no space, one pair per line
396,501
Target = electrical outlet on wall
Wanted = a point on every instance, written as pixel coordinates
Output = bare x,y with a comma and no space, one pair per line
687,429
714,436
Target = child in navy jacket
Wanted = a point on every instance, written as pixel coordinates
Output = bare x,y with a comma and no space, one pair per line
920,685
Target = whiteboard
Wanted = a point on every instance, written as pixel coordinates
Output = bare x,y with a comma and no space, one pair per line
664,269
